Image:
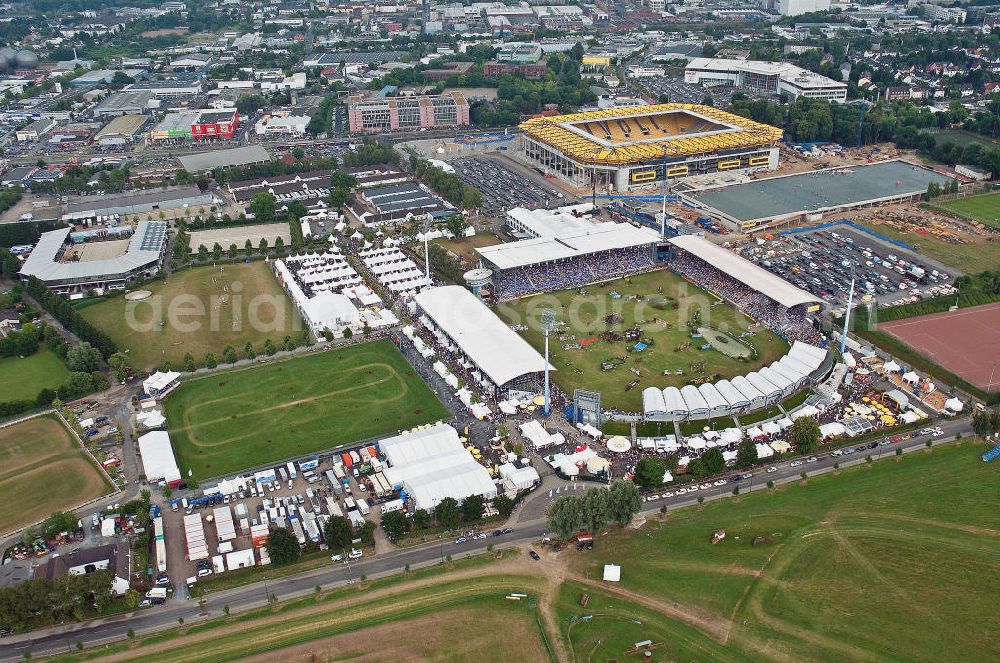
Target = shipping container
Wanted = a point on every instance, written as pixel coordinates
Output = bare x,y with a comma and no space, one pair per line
292,473
363,506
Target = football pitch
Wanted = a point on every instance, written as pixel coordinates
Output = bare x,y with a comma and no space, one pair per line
198,310
985,208
590,348
44,470
227,422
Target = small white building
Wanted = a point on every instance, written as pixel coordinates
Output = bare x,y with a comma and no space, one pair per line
612,573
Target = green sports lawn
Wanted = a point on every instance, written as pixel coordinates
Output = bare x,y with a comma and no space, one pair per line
584,315
43,469
984,208
888,561
203,309
22,379
231,421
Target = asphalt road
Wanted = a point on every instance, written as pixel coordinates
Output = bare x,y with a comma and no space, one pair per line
60,639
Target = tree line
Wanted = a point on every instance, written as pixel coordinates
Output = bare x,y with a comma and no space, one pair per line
447,185
41,601
61,309
597,507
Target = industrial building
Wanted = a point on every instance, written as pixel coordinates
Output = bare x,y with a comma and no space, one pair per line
388,204
143,258
771,77
196,125
622,149
84,209
443,111
121,131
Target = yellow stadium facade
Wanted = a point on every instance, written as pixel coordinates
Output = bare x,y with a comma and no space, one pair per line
624,149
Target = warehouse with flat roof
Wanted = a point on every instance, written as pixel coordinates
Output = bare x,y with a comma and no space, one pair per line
121,130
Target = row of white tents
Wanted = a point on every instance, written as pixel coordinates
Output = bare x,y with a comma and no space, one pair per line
743,393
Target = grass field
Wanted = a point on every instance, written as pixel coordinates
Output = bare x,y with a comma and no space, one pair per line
438,614
43,470
871,562
228,422
959,137
585,317
22,379
465,247
202,309
984,208
970,258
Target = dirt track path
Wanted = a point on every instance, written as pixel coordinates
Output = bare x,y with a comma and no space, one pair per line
513,566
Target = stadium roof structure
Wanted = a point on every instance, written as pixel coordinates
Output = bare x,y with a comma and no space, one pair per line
746,272
496,349
144,249
572,244
620,136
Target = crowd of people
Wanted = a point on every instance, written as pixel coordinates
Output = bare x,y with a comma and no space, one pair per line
573,272
792,324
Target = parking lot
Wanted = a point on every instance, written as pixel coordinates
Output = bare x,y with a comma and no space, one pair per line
503,188
823,261
679,92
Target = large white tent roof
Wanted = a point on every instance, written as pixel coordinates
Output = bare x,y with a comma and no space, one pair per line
744,271
432,464
158,457
493,346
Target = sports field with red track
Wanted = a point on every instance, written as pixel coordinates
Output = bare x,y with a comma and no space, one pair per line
966,342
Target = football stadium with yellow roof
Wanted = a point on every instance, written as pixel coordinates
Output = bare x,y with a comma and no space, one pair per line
622,149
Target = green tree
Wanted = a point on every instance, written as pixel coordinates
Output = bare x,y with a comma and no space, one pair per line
262,246
217,252
421,519
210,361
447,513
269,348
804,435
367,533
596,505
504,505
282,547
746,453
395,524
263,205
248,351
338,533
625,501
189,362
118,362
229,355
472,508
84,358
565,516
233,251
713,461
649,471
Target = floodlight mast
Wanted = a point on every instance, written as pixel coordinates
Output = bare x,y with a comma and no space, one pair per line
847,317
427,260
548,322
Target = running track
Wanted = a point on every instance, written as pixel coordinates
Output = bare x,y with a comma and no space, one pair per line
966,342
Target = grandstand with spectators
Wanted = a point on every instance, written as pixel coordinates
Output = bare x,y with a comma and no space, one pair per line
622,149
575,257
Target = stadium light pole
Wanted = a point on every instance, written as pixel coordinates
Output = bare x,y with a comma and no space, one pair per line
427,260
548,322
663,208
847,317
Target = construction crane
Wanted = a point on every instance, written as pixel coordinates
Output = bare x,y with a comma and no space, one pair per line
861,125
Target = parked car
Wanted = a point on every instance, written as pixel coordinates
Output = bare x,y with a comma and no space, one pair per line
535,556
